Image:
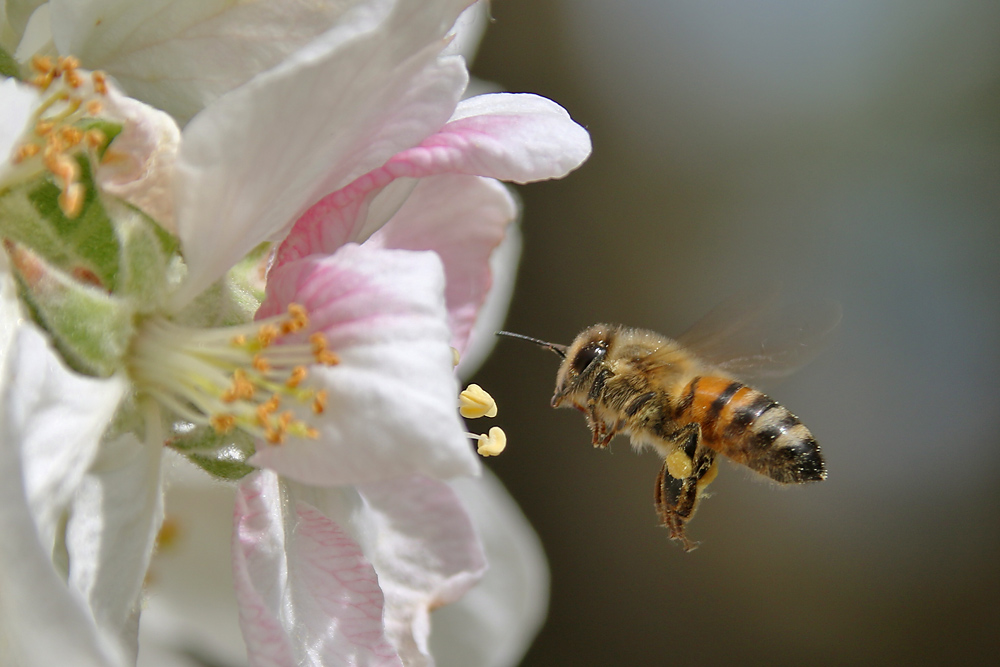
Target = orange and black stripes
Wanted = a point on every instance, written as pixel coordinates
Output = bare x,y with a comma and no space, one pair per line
751,428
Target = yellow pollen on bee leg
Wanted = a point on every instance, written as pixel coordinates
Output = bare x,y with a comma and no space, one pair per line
474,402
679,464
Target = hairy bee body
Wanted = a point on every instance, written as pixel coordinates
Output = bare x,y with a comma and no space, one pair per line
638,383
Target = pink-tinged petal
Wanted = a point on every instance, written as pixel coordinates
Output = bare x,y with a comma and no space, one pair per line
425,550
115,517
44,410
493,313
428,555
307,594
494,623
392,400
258,157
515,137
463,219
144,155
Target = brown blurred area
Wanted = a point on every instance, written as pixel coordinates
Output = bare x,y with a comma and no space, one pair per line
849,151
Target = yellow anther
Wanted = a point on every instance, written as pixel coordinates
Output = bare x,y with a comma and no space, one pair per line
42,64
73,78
274,436
71,200
298,319
267,334
455,357
223,423
25,151
67,63
261,364
285,420
43,128
241,388
311,432
100,82
319,402
71,136
327,358
94,107
94,138
239,341
474,402
295,378
493,443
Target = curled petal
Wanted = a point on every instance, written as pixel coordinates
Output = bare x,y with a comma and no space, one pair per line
391,407
463,219
416,533
139,165
254,160
116,514
307,594
49,427
494,623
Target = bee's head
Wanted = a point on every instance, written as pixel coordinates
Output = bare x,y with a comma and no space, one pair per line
584,357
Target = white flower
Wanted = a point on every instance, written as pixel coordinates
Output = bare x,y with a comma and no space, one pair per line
350,108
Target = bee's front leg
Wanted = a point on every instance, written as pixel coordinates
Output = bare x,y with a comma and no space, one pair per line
676,498
602,432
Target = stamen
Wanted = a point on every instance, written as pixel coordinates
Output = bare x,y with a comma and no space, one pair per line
57,138
491,444
220,377
474,402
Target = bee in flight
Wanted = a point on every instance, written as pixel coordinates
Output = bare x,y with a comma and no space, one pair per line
681,397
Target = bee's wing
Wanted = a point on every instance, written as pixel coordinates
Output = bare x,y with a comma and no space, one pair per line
752,335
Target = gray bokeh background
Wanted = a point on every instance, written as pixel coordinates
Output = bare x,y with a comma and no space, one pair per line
850,151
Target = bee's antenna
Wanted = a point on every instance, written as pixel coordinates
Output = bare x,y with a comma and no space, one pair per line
555,347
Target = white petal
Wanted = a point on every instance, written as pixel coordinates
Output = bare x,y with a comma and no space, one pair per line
494,623
190,605
307,594
57,418
393,398
260,155
180,55
49,426
17,101
115,517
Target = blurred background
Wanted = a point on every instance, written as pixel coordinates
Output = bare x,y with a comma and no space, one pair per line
850,151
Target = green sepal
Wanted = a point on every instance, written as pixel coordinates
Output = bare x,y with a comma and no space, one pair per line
221,468
232,300
147,251
221,455
91,328
8,66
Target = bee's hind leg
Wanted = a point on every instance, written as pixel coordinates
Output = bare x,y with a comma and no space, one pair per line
676,498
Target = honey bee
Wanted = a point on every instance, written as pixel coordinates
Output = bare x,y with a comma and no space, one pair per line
669,395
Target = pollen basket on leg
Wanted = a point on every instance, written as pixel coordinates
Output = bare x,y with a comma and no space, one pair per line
252,377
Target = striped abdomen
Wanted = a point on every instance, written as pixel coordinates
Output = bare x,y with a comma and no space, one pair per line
751,428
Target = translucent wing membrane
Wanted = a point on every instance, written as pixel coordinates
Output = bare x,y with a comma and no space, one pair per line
752,335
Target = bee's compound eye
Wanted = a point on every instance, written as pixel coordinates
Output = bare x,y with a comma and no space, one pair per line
587,355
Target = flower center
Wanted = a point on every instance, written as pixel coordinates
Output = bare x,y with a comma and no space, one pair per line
65,125
234,377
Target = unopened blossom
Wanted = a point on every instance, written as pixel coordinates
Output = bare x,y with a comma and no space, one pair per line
347,143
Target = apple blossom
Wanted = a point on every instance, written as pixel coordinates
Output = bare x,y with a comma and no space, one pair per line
134,246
